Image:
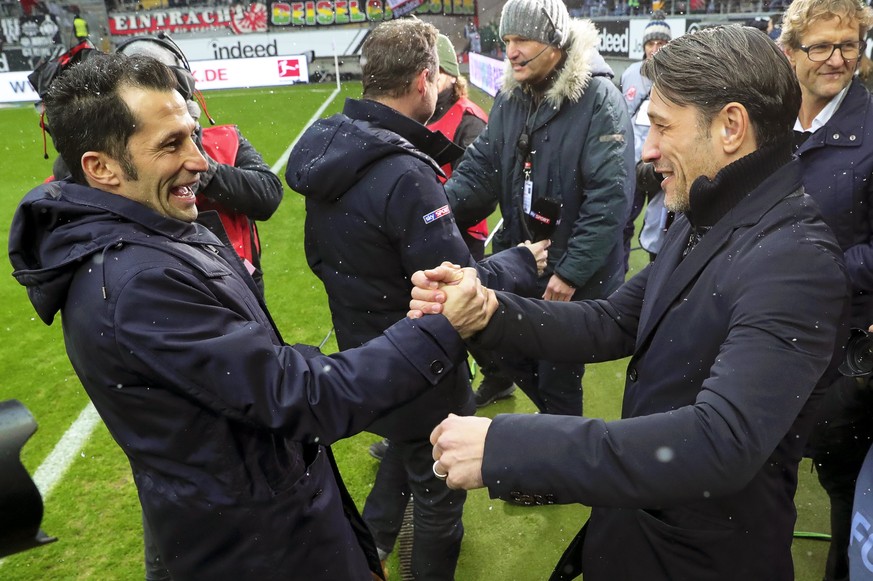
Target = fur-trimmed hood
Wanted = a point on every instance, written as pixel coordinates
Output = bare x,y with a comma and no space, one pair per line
583,61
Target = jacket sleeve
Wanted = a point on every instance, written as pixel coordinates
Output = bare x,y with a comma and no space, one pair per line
474,189
468,130
768,363
233,365
569,332
247,187
608,182
421,225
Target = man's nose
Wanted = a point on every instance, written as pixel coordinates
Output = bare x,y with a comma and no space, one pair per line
650,151
195,161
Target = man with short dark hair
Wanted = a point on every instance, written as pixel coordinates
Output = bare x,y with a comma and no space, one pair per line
729,332
225,426
824,41
558,139
375,213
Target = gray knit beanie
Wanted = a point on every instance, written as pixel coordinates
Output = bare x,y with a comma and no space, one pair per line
657,28
545,21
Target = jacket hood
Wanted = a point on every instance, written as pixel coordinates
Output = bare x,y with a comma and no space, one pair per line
583,61
335,153
60,224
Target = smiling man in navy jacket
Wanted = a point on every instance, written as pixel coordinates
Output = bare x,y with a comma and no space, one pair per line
729,331
227,428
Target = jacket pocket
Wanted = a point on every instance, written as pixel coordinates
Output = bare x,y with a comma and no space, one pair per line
698,549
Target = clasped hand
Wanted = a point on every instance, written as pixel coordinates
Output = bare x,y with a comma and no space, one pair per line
455,292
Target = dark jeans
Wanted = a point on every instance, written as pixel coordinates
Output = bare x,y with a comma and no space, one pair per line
407,468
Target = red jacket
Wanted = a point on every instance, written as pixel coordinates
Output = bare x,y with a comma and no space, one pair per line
448,126
221,142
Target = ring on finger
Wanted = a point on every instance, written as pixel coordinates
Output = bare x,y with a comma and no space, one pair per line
437,473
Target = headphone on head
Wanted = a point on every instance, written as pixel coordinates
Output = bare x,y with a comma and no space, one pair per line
556,37
184,77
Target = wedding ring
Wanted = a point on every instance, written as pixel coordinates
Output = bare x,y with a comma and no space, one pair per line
438,474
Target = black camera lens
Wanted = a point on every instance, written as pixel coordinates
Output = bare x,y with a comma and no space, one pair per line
859,355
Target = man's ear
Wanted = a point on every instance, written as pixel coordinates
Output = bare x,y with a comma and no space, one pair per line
421,81
100,169
789,54
734,127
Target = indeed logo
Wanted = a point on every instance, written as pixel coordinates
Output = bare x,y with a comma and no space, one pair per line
612,43
241,51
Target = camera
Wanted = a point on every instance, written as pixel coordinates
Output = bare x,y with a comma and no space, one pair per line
858,361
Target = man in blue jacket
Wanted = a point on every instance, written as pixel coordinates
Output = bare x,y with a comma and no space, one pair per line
225,426
376,212
558,135
729,332
824,41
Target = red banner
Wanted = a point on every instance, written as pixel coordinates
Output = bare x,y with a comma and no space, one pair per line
241,19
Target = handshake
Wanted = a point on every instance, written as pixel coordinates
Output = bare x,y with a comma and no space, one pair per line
458,293
455,292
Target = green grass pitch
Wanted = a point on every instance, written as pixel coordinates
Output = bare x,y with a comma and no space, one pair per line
94,510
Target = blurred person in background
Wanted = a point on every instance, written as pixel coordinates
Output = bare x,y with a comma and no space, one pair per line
558,138
238,184
637,90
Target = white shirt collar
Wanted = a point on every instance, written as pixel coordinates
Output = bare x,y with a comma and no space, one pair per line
825,114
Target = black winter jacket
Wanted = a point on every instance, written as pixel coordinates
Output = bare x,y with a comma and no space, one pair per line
225,427
376,213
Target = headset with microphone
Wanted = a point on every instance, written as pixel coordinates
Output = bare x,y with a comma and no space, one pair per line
556,38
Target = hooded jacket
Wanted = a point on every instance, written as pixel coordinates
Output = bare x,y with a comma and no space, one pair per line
580,143
225,426
375,214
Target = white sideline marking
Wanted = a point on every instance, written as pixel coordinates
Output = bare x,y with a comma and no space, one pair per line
65,451
277,167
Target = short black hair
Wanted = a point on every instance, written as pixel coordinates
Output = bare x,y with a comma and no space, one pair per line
733,64
86,112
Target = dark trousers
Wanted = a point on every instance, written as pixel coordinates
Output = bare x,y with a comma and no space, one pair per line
555,388
407,468
154,566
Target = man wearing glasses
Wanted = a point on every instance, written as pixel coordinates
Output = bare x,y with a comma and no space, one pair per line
823,40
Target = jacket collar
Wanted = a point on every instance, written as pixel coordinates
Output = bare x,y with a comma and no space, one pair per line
710,200
132,211
576,72
670,274
846,128
405,132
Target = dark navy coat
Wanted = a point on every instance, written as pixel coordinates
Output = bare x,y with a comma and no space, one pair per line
225,427
376,213
696,481
837,166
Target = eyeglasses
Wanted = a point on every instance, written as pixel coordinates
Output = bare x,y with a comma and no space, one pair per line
819,53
